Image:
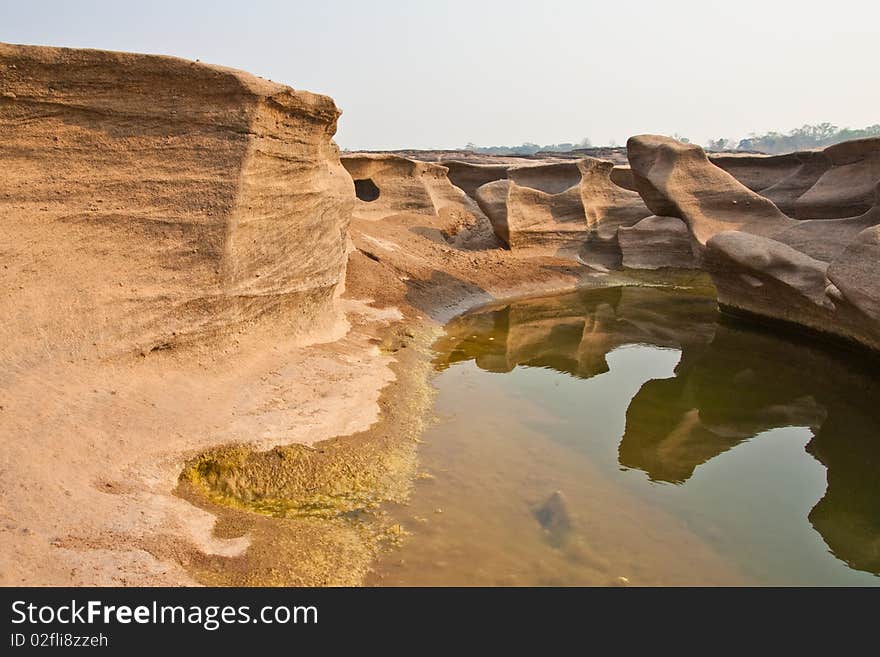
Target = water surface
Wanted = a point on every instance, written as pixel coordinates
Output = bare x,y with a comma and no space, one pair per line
628,436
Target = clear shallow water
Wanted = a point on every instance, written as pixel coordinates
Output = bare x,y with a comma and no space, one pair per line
628,436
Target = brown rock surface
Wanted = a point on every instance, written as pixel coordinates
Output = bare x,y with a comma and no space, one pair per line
607,207
492,199
621,175
820,274
656,242
786,192
469,176
389,185
677,180
855,286
567,208
830,183
846,188
401,185
769,278
171,198
755,171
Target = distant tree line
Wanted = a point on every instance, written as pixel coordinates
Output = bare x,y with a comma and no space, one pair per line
799,139
528,148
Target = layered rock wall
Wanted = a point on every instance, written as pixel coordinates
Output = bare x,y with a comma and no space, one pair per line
146,199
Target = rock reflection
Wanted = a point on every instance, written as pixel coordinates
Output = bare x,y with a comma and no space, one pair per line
732,383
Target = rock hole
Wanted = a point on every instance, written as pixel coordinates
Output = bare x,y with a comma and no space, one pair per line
366,189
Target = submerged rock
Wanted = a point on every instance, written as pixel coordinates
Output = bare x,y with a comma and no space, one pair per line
554,515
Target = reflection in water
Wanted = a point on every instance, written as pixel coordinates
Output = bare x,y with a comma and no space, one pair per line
731,384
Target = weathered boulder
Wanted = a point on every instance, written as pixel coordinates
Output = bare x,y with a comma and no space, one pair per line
821,274
149,199
607,207
677,180
825,239
765,277
568,208
657,242
854,288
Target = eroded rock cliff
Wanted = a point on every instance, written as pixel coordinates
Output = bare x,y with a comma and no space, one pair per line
150,199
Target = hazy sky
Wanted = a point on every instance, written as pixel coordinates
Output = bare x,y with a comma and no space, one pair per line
442,73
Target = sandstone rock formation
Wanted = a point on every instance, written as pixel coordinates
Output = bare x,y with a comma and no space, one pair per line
387,185
566,208
147,199
820,274
846,188
755,171
469,176
786,191
621,175
656,242
395,189
677,180
492,200
834,182
825,280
